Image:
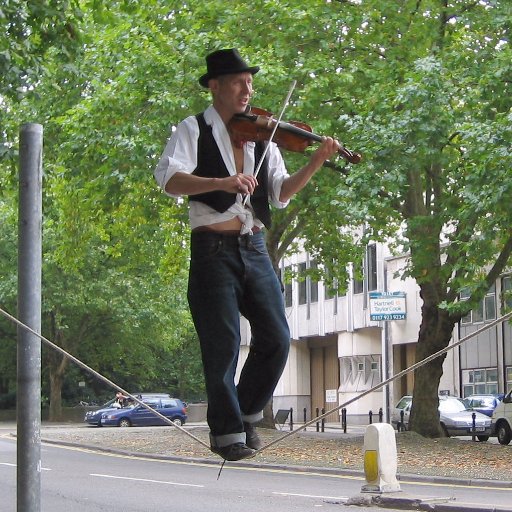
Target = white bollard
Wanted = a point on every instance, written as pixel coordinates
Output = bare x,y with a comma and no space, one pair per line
380,459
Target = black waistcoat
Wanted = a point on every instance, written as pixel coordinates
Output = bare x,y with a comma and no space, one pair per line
211,165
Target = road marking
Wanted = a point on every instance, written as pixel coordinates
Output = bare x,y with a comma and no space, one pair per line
343,498
144,480
263,469
15,465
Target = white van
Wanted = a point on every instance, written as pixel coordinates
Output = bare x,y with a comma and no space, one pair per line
502,420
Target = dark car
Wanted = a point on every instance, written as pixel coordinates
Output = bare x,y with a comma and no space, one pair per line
94,417
138,416
483,403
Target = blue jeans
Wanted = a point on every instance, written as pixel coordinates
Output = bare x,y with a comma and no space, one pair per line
232,274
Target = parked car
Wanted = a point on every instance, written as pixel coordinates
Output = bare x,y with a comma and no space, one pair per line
502,420
483,403
94,417
137,415
403,406
455,418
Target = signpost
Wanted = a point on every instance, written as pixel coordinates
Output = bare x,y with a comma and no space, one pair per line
387,306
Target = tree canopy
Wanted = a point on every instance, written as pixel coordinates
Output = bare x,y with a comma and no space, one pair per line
421,88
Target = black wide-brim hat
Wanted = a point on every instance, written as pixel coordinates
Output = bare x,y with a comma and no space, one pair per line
225,62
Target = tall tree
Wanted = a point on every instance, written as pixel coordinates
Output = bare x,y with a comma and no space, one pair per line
436,122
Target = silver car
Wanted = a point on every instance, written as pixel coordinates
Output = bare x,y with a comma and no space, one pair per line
455,419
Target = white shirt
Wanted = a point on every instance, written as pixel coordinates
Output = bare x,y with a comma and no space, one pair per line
180,155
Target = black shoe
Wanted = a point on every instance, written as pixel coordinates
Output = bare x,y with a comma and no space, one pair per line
252,440
235,451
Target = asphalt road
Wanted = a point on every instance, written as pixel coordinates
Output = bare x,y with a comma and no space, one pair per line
73,478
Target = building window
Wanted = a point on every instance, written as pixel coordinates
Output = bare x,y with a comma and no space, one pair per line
506,286
371,264
484,311
330,290
508,376
308,284
369,270
288,288
313,284
358,286
480,381
303,298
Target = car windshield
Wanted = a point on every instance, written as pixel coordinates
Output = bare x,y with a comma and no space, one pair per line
404,402
451,405
486,401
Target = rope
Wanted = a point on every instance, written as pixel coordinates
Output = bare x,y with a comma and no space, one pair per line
100,376
410,369
391,379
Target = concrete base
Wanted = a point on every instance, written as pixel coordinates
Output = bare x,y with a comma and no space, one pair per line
398,500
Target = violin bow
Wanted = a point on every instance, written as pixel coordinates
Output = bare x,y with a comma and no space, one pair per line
276,125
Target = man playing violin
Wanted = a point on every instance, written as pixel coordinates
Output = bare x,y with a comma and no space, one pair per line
230,270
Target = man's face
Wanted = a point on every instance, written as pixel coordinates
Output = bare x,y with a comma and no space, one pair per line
232,93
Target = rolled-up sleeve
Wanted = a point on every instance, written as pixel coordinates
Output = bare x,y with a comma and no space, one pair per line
180,153
277,173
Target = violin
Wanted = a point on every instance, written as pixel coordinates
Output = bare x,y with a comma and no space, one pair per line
257,124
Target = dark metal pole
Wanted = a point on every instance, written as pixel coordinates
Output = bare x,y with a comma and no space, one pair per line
29,312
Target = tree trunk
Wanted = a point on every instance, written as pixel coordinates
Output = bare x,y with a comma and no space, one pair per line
56,381
268,416
58,364
435,333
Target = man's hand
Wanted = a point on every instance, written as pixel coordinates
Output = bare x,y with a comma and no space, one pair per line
189,184
239,184
296,182
326,150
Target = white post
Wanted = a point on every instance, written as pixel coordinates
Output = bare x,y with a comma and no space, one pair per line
380,459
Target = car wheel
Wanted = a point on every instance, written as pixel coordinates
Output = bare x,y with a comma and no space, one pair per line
503,433
124,422
445,430
482,439
177,421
